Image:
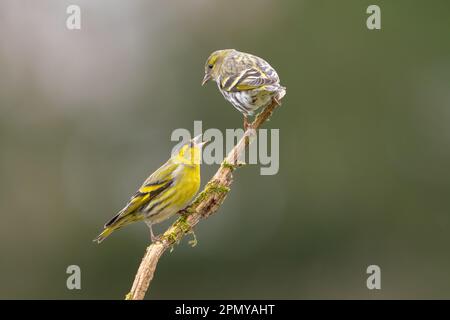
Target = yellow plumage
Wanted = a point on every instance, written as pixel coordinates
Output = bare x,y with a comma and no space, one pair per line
168,190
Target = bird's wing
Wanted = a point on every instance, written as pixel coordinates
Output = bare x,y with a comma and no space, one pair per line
255,73
159,181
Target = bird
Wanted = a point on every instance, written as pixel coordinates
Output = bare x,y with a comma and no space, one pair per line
165,192
248,82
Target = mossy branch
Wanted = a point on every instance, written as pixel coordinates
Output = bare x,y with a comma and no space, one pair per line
205,204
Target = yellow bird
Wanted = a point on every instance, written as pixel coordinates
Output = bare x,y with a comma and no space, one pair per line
168,190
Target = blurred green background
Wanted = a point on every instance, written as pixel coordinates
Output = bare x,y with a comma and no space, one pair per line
364,174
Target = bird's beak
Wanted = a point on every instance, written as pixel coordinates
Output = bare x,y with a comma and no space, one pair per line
206,78
198,141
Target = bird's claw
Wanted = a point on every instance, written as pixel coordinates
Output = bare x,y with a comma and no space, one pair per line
193,241
157,238
277,101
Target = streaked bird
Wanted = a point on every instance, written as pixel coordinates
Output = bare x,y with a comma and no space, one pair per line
168,190
248,82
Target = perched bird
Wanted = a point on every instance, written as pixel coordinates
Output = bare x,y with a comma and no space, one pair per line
246,81
168,190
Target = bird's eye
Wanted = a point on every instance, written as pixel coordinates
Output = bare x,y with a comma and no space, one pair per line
210,66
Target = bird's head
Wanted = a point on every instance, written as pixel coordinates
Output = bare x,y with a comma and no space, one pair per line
191,152
213,64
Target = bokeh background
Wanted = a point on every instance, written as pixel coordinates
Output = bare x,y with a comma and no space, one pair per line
364,174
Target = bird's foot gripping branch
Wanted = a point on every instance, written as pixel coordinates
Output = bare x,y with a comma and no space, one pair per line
182,226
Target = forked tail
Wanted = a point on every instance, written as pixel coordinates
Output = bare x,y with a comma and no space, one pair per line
105,233
115,223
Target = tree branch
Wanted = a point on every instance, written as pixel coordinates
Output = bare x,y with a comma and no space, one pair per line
204,205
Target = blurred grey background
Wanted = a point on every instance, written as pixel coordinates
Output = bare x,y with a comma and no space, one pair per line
364,174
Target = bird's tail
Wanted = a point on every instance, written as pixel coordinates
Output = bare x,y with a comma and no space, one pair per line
105,233
115,223
281,92
277,90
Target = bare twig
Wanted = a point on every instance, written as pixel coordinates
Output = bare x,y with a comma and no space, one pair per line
204,205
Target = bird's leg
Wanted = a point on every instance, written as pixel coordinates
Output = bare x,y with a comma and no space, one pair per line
153,238
245,123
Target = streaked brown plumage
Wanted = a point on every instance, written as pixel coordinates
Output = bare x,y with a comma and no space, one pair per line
248,82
